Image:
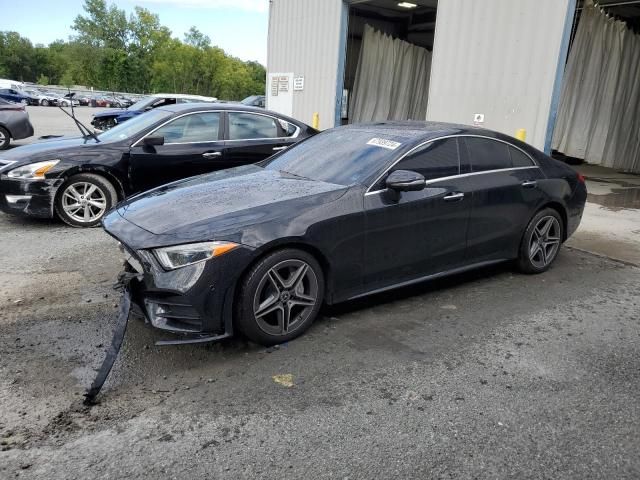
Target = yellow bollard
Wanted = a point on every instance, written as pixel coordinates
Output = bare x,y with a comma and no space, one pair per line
521,134
316,121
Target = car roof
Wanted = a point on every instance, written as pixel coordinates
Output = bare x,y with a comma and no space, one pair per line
181,95
414,132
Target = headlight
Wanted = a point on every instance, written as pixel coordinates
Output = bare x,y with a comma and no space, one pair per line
182,255
33,170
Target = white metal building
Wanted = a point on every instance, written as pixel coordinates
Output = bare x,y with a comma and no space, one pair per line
495,63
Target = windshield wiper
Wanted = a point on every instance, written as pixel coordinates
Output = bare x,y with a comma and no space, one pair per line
84,131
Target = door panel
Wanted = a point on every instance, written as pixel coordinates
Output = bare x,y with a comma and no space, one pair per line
502,206
413,234
253,137
417,234
192,147
504,197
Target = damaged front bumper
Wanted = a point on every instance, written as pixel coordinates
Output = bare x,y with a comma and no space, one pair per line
32,198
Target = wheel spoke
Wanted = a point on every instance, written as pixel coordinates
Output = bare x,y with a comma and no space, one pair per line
297,277
270,305
303,300
89,190
283,319
74,192
87,213
276,279
97,204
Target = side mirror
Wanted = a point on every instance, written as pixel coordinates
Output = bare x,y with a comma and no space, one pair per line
153,141
405,181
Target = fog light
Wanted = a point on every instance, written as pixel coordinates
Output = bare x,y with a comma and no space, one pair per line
15,199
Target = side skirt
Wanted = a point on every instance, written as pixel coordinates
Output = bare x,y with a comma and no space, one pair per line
433,276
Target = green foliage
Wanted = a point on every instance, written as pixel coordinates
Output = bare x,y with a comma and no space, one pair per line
43,80
135,54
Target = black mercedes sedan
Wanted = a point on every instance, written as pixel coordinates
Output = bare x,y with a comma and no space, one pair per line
346,213
80,179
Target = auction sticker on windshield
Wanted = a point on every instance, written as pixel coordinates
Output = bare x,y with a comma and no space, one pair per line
381,142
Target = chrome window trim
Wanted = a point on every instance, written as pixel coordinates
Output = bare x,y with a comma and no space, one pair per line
135,144
534,163
295,135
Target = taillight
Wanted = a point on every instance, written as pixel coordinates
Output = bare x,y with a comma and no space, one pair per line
581,178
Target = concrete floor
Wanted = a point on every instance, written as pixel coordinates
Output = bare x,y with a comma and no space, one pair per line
611,222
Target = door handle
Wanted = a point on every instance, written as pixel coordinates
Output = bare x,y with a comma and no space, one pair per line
454,197
529,184
212,154
277,149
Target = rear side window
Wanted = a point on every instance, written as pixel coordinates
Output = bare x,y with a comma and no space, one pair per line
435,160
519,158
247,126
193,128
486,154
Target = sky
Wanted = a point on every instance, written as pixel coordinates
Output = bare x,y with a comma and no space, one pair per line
237,26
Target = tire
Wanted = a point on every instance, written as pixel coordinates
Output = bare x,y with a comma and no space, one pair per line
44,102
541,242
5,138
88,213
65,103
264,298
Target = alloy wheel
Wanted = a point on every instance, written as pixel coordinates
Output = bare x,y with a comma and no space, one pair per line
545,242
285,297
84,202
2,137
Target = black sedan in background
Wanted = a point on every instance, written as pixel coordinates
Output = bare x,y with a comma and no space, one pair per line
14,123
347,213
80,179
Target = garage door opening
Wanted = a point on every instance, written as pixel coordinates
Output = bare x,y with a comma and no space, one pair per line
598,117
388,60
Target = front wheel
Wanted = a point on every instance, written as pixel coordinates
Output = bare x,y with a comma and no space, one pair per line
84,199
44,102
280,297
541,242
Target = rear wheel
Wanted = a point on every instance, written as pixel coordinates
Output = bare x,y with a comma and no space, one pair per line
44,102
541,242
84,199
280,297
5,138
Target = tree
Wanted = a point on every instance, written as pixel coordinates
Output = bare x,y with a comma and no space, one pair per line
136,54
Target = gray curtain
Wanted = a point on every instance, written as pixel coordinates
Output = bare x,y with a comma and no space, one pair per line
392,80
599,113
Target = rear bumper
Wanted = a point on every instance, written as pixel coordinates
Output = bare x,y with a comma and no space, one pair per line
28,198
20,127
575,208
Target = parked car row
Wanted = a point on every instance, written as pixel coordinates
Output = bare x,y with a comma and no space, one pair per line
107,119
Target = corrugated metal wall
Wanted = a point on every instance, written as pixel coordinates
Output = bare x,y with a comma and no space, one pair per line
305,39
499,58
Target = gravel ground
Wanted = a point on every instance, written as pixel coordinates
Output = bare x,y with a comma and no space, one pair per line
485,375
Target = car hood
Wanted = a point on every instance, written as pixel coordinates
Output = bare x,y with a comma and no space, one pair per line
112,112
47,150
211,205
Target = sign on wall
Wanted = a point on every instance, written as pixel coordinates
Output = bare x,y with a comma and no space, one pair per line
298,83
280,93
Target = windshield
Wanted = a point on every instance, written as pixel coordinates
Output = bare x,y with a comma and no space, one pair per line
141,104
134,126
249,100
341,156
